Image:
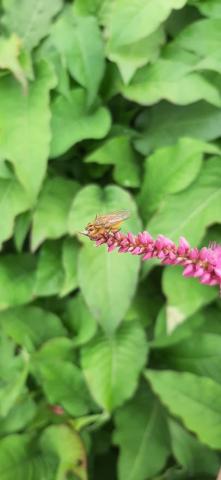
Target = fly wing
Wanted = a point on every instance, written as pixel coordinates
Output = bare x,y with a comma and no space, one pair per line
112,218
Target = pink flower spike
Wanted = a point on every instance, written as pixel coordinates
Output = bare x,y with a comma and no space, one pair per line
204,263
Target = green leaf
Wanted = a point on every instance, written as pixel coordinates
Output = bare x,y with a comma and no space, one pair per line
189,213
141,434
112,364
210,8
49,273
97,8
19,416
59,348
179,165
25,127
69,257
135,55
66,444
184,296
79,42
51,213
14,371
62,382
21,229
13,201
107,281
57,268
192,399
30,326
192,38
79,320
165,123
171,80
192,455
32,20
117,151
10,50
198,354
20,459
130,22
72,122
17,276
164,338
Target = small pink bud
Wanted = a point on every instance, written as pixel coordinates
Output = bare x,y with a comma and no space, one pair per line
188,271
206,278
183,243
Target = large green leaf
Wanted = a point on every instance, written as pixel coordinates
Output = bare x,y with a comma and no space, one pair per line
189,213
17,277
171,80
184,296
31,21
52,210
25,127
118,151
112,364
79,42
178,166
196,400
107,281
130,22
72,122
198,354
67,445
30,326
190,453
20,458
141,433
165,123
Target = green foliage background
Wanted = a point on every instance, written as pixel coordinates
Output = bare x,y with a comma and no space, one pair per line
108,369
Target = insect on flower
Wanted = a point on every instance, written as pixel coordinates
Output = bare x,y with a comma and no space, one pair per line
108,223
